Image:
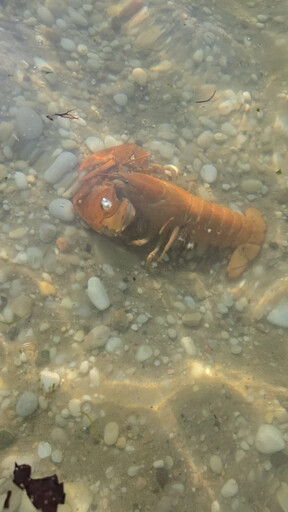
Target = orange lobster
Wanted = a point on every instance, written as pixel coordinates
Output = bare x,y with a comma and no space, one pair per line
119,197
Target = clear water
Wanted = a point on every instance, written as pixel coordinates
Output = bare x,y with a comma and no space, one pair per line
193,398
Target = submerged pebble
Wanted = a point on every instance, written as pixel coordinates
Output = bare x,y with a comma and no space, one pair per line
34,257
143,353
269,439
28,123
26,404
47,232
229,489
64,163
21,180
49,381
97,294
62,209
279,315
120,99
209,173
111,433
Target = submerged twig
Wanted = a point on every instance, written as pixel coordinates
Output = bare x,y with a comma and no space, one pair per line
210,98
66,115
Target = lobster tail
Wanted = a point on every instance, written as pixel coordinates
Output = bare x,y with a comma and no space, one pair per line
255,226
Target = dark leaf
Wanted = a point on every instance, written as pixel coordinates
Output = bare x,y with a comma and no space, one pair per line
45,493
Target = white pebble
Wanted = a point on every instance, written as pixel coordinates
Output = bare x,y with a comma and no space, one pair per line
198,56
229,129
44,450
221,308
279,315
84,367
62,209
121,99
226,107
64,163
215,506
82,49
269,439
94,144
139,76
98,294
34,257
282,496
216,464
77,17
28,123
205,139
143,353
229,489
251,186
208,173
74,406
57,456
45,15
114,345
111,433
189,345
20,180
110,141
68,44
157,464
97,337
94,377
166,150
26,404
133,470
47,232
49,381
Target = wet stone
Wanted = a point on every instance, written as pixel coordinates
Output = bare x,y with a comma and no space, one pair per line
34,257
22,306
62,209
192,319
97,337
98,294
43,358
64,163
269,439
111,433
28,123
7,438
26,404
47,232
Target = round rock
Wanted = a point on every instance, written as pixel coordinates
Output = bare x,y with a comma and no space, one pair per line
269,439
28,123
65,162
143,353
49,381
111,433
62,209
120,99
208,173
98,294
279,315
27,403
229,489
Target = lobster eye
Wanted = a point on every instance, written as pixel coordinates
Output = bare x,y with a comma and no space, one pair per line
105,203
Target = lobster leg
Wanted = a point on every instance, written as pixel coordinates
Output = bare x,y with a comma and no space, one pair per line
170,242
172,238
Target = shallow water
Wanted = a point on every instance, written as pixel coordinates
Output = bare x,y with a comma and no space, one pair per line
187,364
